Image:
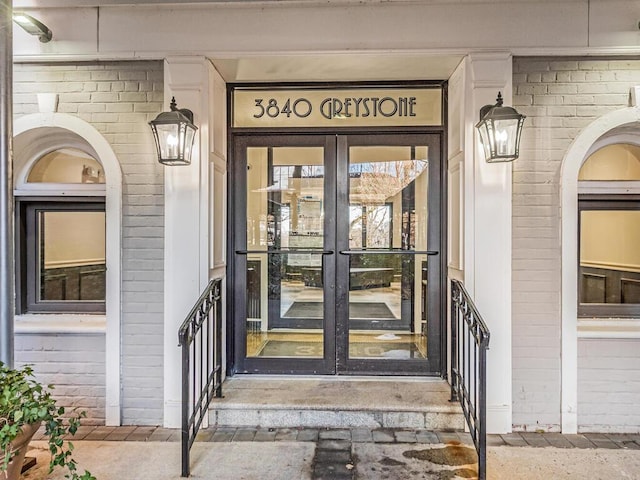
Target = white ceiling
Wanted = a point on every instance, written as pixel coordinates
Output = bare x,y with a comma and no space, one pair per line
337,67
99,3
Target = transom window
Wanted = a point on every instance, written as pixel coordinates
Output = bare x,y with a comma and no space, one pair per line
67,165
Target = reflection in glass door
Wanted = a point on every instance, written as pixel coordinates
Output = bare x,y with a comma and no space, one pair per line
285,202
390,254
288,234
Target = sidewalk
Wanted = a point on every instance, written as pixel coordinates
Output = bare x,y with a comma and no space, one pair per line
141,453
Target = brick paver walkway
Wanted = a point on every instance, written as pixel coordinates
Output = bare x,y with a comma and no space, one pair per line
355,435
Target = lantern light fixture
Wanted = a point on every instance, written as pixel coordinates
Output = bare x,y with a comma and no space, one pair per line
500,129
174,133
33,26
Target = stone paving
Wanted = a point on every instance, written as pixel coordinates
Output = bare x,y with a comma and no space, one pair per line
355,435
153,453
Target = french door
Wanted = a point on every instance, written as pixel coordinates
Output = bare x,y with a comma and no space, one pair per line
336,254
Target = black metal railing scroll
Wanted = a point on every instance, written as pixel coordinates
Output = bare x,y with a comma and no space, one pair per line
469,345
200,337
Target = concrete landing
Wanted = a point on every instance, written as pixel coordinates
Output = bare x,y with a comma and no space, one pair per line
336,402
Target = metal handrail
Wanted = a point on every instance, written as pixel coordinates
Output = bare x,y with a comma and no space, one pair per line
200,337
285,251
469,344
389,251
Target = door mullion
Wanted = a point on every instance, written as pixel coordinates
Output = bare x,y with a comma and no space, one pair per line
329,261
342,261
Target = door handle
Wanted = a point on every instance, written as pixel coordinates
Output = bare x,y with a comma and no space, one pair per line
285,251
389,252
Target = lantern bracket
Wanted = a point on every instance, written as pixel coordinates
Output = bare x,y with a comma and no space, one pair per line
184,111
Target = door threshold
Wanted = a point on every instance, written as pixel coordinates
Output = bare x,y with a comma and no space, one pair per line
339,378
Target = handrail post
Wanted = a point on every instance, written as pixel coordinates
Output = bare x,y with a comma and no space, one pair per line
482,406
454,342
218,339
185,402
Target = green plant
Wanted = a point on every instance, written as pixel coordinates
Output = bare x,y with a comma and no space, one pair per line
24,401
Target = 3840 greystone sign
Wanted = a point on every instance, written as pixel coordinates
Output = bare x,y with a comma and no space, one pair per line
332,107
337,108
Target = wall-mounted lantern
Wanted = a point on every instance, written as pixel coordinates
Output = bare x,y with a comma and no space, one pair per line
500,128
33,26
174,133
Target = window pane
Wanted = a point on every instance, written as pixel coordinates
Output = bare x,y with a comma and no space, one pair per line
613,162
71,255
355,226
609,256
285,211
379,226
67,165
388,205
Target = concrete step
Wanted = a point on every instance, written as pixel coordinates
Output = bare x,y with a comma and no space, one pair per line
336,402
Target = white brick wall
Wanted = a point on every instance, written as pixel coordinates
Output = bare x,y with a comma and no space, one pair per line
608,385
119,99
74,364
559,97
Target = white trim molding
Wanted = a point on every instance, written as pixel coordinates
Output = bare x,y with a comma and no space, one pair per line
39,133
63,323
622,328
609,188
596,135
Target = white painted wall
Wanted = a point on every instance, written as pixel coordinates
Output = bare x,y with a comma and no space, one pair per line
74,362
235,29
608,385
570,103
455,171
105,107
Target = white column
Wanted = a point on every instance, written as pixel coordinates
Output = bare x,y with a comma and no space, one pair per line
487,232
186,220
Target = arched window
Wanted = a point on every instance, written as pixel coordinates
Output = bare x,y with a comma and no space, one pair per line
61,252
609,233
66,165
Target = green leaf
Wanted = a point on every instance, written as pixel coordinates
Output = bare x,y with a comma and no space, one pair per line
24,400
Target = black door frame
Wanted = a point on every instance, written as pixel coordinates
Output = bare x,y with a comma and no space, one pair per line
335,322
238,259
236,133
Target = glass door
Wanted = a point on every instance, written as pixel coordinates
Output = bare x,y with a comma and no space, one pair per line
284,259
336,264
388,272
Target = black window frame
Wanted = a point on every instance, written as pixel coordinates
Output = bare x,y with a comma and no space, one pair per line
594,202
26,234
